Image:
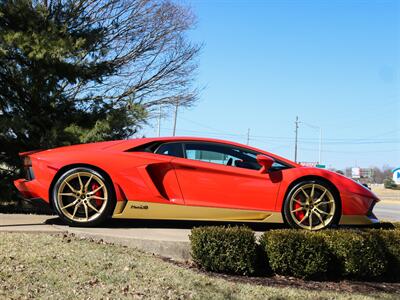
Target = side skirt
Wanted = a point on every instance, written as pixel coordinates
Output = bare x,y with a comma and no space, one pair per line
357,220
151,210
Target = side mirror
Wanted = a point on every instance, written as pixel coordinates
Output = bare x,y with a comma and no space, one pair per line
265,162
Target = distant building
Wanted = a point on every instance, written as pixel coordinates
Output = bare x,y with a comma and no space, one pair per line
362,175
355,173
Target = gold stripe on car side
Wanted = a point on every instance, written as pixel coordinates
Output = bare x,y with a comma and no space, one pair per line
160,211
119,207
149,210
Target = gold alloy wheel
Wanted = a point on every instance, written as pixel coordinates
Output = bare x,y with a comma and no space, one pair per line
312,206
82,197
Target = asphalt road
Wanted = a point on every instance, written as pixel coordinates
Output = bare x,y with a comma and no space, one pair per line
388,210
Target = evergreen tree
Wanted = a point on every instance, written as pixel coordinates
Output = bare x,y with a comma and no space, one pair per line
83,71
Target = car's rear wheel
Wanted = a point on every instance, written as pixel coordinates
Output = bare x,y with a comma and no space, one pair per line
83,197
311,205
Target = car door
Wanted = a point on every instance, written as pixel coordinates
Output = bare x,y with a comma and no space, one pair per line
219,175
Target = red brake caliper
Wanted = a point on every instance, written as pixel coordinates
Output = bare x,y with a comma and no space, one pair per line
299,214
98,194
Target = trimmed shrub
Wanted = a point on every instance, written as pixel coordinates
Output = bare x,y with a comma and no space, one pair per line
389,183
296,253
355,254
390,240
224,249
382,225
358,255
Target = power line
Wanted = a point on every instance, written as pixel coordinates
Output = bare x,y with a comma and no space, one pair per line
304,140
288,140
279,145
352,152
320,139
209,127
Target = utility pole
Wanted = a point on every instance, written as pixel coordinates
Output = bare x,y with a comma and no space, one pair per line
248,136
295,141
159,122
175,117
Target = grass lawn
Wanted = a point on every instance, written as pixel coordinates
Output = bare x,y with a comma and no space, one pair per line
56,267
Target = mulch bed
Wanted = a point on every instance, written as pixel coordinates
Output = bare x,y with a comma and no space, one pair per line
344,285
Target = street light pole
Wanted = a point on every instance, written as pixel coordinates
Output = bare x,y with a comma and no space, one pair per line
295,141
175,117
320,145
320,139
159,122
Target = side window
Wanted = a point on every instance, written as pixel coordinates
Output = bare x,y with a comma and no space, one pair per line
207,155
171,149
246,159
278,166
221,154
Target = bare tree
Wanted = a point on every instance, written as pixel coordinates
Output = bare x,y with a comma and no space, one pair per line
144,45
380,174
77,71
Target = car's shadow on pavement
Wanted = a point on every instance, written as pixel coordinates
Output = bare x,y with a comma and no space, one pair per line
181,224
172,224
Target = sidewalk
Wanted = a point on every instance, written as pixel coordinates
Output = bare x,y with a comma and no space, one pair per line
27,223
168,242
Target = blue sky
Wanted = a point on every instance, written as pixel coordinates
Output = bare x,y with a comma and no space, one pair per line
333,63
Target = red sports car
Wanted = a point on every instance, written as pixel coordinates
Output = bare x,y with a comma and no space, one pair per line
188,178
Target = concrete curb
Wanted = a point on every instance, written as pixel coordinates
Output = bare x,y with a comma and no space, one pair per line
177,250
167,242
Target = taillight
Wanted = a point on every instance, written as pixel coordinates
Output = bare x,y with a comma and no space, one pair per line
27,162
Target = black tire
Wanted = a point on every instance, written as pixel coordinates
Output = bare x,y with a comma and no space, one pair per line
320,211
89,210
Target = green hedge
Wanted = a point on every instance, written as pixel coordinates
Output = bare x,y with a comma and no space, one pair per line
224,249
326,254
396,225
296,253
390,240
389,183
354,254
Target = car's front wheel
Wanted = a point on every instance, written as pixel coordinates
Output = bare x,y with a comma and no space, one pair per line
83,197
311,205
